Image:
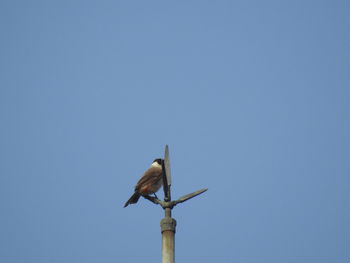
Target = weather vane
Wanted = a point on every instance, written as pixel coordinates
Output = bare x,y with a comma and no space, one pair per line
158,174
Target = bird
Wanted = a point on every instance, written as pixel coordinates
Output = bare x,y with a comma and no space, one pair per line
149,183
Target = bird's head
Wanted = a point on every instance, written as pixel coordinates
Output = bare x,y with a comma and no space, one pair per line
157,162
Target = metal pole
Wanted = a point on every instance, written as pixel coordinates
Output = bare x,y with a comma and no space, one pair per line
168,226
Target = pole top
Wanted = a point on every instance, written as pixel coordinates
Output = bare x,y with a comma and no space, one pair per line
166,175
167,203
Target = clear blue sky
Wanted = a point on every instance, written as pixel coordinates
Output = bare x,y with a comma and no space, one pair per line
253,98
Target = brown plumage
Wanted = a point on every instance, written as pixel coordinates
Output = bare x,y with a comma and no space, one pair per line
149,183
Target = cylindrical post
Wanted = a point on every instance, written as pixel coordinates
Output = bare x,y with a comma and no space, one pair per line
168,226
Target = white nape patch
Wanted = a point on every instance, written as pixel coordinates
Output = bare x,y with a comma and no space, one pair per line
155,164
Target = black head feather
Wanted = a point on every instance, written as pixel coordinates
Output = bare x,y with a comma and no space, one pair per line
159,161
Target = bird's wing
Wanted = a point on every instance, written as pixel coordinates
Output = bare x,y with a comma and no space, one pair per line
151,176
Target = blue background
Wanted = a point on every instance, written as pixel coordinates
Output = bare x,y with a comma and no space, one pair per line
251,96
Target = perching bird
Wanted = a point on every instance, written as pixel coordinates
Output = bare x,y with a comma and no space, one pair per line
149,183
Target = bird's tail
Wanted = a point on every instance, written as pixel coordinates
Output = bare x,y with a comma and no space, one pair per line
133,199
